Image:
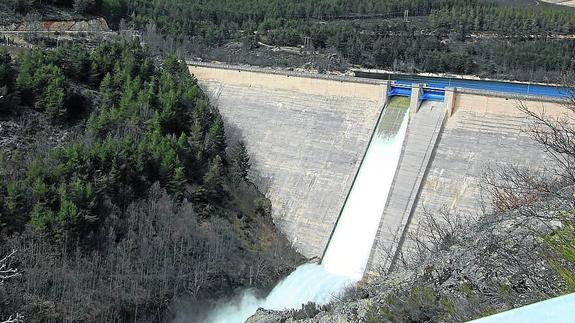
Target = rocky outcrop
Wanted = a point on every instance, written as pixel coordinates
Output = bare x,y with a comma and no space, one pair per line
499,262
30,129
89,25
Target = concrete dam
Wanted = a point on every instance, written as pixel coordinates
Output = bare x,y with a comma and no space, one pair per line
309,137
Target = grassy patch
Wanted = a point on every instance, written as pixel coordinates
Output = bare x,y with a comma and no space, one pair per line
562,243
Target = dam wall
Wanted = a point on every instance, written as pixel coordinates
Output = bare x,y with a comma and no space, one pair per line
445,157
306,135
296,82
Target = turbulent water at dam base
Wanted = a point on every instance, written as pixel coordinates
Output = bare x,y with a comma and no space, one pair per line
349,248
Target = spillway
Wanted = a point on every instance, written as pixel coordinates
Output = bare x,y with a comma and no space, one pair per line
349,248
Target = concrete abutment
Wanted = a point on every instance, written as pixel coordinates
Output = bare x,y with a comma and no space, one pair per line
415,100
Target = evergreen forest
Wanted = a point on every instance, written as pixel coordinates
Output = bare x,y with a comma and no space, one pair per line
125,197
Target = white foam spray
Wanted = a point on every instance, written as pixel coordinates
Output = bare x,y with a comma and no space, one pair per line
308,283
350,245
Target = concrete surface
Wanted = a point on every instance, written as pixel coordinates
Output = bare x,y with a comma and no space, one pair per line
306,137
483,132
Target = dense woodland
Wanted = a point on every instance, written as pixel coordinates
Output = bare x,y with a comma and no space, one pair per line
486,38
143,206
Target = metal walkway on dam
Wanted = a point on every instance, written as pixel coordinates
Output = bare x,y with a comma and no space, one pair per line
307,134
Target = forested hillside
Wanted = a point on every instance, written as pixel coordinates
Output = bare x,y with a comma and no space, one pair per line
120,192
513,39
486,38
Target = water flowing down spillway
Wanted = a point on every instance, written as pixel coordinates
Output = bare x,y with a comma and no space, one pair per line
349,248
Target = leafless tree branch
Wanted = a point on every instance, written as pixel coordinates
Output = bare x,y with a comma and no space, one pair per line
6,270
557,137
16,318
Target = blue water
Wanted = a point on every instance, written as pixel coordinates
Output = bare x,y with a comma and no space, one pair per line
497,86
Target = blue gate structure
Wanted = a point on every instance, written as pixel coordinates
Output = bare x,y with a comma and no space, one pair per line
399,90
430,94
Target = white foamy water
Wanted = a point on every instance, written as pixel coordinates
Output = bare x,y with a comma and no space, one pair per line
350,245
308,283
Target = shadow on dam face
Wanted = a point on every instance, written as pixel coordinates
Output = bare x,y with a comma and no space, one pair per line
307,135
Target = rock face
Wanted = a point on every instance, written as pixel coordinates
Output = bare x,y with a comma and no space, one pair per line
89,25
497,263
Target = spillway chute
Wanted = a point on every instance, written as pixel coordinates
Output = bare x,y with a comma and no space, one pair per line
350,245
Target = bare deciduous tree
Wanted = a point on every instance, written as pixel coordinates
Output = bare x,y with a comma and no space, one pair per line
6,269
434,232
33,24
511,186
557,137
8,272
16,318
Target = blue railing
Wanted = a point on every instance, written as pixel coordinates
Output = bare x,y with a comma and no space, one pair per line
487,85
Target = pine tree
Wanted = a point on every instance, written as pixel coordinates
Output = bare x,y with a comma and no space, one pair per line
177,184
41,216
240,162
113,179
68,213
216,139
87,6
197,136
25,80
14,197
107,92
52,99
214,178
6,70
